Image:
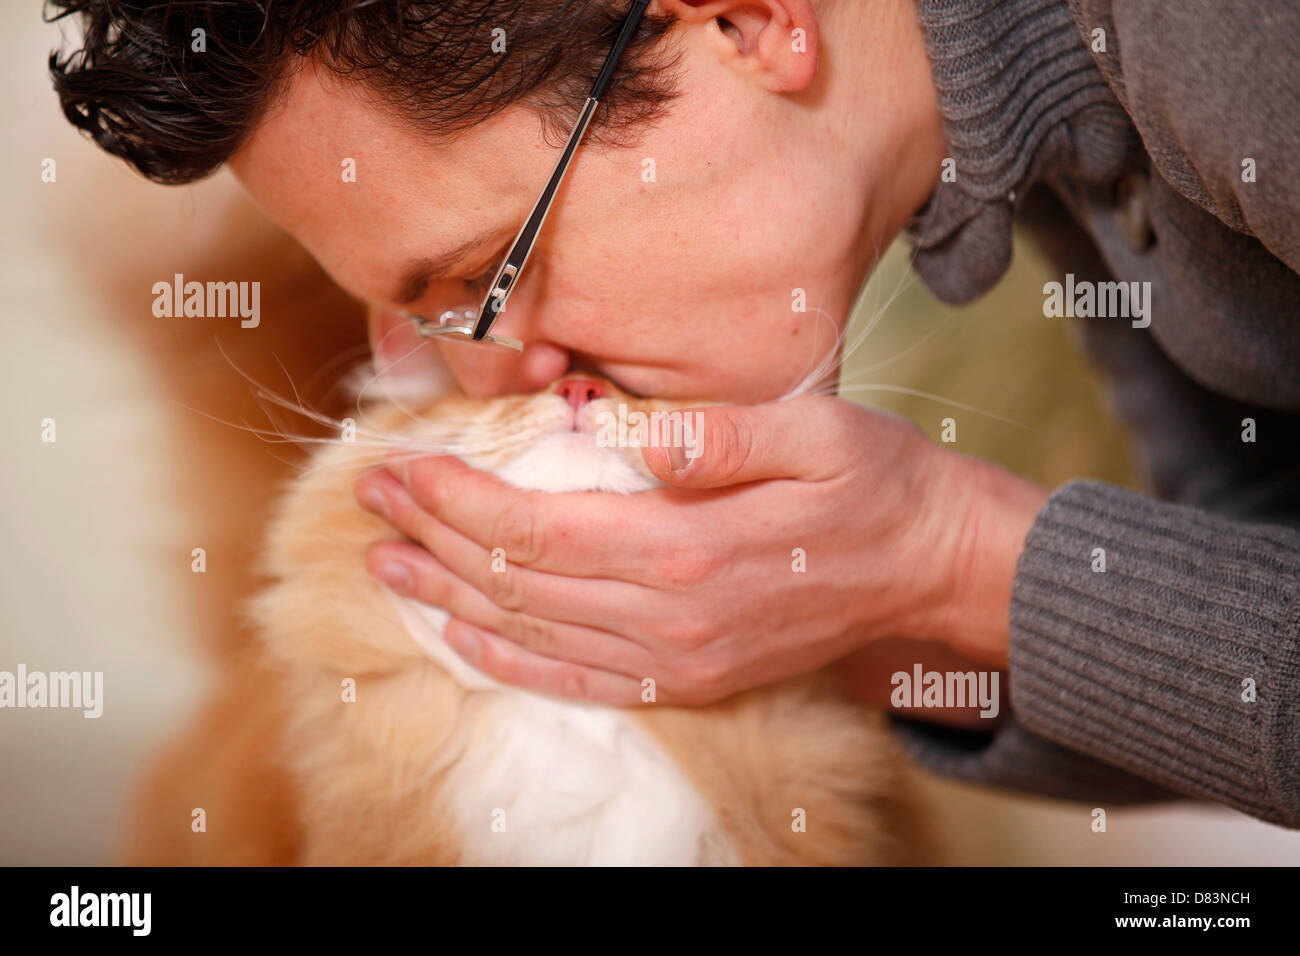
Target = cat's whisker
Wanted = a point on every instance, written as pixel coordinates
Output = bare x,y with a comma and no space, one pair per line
280,437
352,464
357,355
824,368
834,358
289,378
299,407
814,371
334,424
900,355
878,314
851,338
917,393
318,417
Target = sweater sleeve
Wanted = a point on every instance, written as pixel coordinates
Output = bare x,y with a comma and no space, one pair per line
1180,661
1176,670
1179,664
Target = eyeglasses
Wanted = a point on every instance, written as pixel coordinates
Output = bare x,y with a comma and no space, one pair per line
468,326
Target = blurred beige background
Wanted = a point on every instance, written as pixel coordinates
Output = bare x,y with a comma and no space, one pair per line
99,526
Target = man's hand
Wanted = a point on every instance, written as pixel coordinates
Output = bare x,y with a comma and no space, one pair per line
804,530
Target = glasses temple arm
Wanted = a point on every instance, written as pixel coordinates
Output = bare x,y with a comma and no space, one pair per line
508,275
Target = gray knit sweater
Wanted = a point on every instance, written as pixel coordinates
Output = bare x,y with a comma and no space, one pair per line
1163,149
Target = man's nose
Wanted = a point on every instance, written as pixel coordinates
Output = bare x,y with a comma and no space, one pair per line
578,390
484,371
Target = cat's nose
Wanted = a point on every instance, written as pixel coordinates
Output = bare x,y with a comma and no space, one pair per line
578,390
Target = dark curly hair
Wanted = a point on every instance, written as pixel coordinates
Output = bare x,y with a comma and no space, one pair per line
140,90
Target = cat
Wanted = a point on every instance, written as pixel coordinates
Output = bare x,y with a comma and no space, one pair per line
386,748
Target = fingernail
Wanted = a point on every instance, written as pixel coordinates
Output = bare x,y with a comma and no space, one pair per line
677,459
460,640
374,501
396,576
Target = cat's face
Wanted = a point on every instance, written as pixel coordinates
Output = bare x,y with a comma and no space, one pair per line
580,433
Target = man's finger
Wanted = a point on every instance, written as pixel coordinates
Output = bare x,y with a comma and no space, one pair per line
733,444
584,534
428,581
510,664
593,602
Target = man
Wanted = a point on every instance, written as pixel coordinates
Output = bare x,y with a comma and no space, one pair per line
750,150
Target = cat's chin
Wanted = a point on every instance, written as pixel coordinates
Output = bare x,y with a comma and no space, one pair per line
574,461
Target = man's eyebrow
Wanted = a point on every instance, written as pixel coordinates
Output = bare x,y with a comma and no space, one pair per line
418,273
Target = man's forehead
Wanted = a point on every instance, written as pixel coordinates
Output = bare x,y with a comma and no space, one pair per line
330,153
352,184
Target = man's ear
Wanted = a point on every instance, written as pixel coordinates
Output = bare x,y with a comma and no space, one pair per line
772,40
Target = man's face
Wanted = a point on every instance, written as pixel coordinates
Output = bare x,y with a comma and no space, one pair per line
675,266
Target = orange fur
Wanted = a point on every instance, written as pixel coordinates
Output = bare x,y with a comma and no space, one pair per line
371,774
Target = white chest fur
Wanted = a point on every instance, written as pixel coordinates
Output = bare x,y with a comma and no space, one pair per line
547,781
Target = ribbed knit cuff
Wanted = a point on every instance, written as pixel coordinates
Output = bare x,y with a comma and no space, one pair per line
1021,99
1150,663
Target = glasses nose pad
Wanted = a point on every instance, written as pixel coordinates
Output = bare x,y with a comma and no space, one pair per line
458,318
448,319
458,325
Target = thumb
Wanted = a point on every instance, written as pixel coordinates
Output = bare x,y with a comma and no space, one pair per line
733,444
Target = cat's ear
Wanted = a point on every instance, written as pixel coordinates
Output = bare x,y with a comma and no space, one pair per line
407,366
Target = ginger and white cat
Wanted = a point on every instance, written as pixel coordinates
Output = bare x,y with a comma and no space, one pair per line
434,763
